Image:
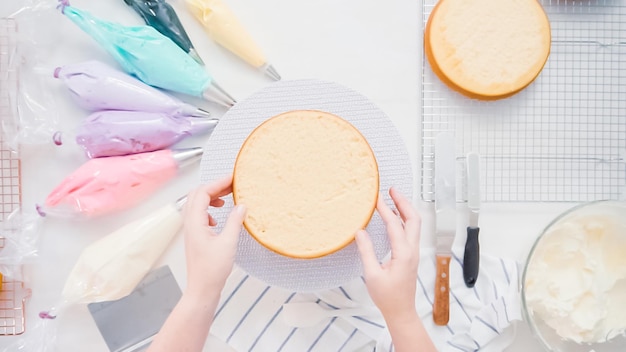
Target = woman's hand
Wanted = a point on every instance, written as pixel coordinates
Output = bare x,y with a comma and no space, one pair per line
392,284
210,256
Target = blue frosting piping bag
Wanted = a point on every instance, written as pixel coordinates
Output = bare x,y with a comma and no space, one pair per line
150,56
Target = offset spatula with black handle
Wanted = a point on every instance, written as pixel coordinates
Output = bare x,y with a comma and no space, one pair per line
472,248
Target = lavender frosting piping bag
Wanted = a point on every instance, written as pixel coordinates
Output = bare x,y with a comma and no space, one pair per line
96,86
115,133
150,56
161,15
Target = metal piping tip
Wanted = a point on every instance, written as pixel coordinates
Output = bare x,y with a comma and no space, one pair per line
201,113
202,124
271,72
180,202
216,94
194,55
190,110
187,156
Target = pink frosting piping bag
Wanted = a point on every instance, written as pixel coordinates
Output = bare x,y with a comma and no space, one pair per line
105,185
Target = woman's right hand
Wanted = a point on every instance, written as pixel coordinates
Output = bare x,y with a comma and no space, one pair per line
392,284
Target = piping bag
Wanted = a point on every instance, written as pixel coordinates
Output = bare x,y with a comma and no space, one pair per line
109,269
115,133
105,185
97,86
150,56
221,24
160,15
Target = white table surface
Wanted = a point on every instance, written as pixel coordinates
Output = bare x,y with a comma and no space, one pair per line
371,46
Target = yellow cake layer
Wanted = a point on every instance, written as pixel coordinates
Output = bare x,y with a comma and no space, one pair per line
309,181
487,49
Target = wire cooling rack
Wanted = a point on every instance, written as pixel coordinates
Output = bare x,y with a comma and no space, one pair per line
12,321
563,138
9,160
13,293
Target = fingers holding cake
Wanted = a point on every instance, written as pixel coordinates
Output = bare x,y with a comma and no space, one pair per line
392,284
403,225
198,201
391,218
210,255
368,256
403,229
410,217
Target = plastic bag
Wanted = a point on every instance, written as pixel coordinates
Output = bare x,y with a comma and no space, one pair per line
42,338
109,269
34,117
21,233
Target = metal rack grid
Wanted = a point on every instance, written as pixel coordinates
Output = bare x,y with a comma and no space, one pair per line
13,293
9,159
12,320
563,138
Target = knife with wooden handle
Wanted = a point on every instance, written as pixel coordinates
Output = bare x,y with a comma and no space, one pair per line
445,206
471,257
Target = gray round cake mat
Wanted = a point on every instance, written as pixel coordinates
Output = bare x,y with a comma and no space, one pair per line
394,167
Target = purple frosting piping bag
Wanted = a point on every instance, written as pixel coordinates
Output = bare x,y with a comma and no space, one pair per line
116,133
96,86
150,56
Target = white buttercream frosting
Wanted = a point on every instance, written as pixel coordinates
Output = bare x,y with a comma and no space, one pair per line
576,277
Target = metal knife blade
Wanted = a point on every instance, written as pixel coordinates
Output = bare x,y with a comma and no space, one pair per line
445,206
473,187
471,257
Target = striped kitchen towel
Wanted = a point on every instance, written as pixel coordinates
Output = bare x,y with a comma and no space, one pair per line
249,318
481,318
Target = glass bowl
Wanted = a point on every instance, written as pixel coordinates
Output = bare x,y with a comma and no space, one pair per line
575,277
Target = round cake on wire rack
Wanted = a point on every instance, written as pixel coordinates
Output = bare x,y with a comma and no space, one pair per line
487,49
